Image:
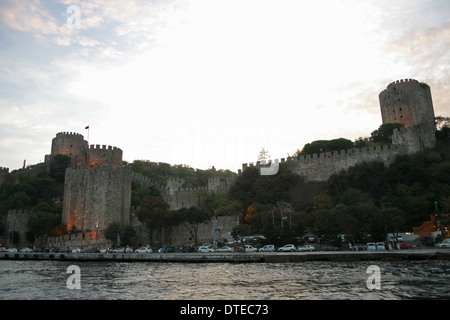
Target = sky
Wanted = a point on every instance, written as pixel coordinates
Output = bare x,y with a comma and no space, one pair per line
209,83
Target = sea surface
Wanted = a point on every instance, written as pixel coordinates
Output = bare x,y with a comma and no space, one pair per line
53,280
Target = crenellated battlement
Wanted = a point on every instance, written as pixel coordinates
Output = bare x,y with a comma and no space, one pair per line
345,153
70,134
97,156
399,83
103,148
4,170
403,81
320,166
19,212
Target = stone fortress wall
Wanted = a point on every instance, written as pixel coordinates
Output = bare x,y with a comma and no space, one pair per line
405,101
15,221
97,192
179,197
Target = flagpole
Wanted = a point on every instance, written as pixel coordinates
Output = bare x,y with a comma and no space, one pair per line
88,127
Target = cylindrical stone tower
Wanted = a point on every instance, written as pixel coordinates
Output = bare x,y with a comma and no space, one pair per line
408,102
69,144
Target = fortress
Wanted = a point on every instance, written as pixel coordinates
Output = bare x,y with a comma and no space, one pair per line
97,187
407,102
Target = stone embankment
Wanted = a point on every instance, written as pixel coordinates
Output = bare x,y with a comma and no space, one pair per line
260,257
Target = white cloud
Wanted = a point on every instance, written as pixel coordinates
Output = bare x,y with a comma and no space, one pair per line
210,82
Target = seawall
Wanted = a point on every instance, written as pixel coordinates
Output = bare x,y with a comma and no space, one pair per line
260,257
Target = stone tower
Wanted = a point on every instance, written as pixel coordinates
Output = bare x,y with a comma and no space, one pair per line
97,188
95,197
69,144
409,102
105,156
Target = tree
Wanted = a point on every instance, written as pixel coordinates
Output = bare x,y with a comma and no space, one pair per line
241,230
127,235
120,234
321,146
384,132
191,218
154,213
139,192
43,223
263,156
113,231
58,167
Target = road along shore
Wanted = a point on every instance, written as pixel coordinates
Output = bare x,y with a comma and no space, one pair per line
256,257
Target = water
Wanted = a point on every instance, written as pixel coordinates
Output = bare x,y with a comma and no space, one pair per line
169,281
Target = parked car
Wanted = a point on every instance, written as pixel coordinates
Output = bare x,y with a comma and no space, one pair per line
171,249
444,244
267,248
225,249
92,250
371,246
250,248
105,250
188,248
381,246
307,247
205,249
76,250
403,245
26,249
287,248
123,250
311,239
359,247
144,250
328,247
12,250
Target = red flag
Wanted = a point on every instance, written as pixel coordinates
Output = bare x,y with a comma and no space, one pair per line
87,127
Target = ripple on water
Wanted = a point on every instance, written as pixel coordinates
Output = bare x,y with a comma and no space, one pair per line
308,280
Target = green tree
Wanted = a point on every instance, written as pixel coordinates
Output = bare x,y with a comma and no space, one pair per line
191,218
113,231
59,165
154,213
241,230
321,146
384,133
43,223
127,235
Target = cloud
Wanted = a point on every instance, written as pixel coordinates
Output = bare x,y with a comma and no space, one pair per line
215,81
